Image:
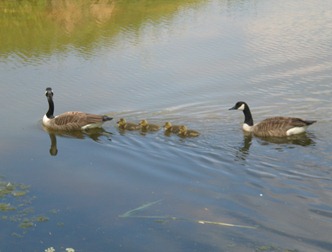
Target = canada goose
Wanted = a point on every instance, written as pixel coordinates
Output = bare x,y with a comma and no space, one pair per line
145,126
124,125
70,121
271,127
169,128
185,132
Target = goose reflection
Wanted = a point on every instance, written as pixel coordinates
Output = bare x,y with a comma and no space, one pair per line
54,148
243,151
94,134
304,140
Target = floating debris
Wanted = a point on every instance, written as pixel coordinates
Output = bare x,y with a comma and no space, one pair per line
130,213
133,214
51,249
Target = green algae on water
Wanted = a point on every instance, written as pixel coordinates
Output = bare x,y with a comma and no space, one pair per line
16,207
41,219
27,223
6,207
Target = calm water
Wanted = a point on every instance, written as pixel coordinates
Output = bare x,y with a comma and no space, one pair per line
180,61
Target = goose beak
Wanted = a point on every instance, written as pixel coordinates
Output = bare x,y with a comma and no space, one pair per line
233,108
107,118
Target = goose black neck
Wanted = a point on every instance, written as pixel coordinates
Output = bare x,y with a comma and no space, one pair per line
247,116
50,111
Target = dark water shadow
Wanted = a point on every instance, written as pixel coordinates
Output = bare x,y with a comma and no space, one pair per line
314,241
94,134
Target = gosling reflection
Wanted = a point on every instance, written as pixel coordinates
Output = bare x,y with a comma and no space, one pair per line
94,134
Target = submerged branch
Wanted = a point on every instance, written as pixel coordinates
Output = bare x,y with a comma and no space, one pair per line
132,214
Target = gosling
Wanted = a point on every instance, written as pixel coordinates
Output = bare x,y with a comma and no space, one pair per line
124,125
169,128
185,132
145,126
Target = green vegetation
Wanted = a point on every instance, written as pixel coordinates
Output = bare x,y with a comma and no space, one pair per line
41,219
15,206
35,27
26,223
6,207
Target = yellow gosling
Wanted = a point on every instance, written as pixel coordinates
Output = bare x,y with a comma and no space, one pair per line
124,125
145,126
169,128
185,132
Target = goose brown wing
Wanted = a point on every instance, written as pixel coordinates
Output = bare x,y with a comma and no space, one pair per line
70,117
77,118
277,126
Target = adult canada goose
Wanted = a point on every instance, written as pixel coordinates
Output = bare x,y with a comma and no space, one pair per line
271,127
124,125
70,121
169,128
185,132
145,126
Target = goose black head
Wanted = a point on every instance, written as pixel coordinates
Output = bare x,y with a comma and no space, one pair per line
239,106
246,111
49,92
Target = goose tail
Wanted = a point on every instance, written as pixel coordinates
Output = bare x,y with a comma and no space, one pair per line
309,122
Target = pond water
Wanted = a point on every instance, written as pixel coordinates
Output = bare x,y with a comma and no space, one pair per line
186,62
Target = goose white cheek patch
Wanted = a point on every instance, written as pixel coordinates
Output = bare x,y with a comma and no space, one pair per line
241,107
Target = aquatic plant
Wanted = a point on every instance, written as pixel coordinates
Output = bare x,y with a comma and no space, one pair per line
26,223
6,207
15,206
